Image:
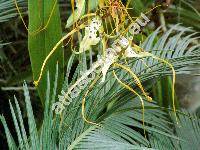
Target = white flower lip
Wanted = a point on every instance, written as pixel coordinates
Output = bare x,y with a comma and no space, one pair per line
90,37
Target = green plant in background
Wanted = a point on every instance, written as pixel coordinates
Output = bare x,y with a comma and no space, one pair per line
7,13
185,12
7,9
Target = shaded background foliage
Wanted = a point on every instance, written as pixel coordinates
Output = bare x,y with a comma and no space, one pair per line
15,64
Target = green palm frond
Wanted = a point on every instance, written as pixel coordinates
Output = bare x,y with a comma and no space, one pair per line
176,49
118,111
46,137
10,140
8,9
184,12
187,130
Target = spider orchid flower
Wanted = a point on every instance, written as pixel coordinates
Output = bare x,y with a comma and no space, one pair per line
91,38
110,58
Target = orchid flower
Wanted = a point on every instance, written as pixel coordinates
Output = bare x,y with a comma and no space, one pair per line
90,37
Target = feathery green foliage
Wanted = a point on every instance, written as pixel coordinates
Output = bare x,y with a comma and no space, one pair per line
185,13
187,130
117,110
8,10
